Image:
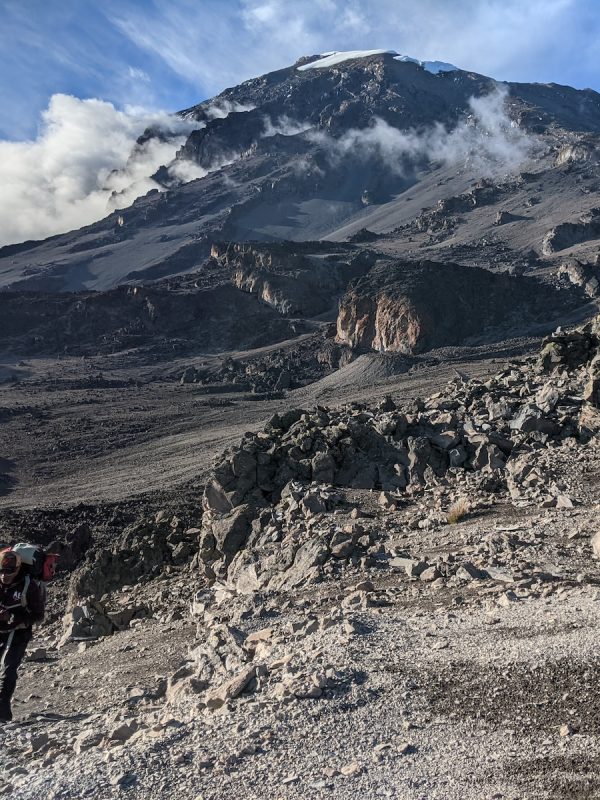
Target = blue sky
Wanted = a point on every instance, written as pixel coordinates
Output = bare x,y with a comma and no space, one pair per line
169,54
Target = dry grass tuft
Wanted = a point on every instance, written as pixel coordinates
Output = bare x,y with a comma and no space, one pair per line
457,511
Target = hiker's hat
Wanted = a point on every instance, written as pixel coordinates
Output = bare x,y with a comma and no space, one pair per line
10,562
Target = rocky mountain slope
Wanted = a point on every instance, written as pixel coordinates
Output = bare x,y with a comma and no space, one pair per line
322,153
349,180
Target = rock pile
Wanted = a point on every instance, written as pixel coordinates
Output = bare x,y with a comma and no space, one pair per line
92,620
575,356
144,550
290,367
268,521
273,665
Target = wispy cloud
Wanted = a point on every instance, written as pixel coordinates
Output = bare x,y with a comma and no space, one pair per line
71,47
220,44
284,126
486,143
187,36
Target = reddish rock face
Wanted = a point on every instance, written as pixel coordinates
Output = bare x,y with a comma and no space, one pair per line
384,323
399,326
410,307
356,321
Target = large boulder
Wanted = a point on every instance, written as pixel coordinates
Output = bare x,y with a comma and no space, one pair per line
530,418
591,391
231,531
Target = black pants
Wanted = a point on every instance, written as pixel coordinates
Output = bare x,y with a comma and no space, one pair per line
13,645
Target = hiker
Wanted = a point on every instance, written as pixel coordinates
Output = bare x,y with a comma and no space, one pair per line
22,602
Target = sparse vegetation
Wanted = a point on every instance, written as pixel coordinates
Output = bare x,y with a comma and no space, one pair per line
457,511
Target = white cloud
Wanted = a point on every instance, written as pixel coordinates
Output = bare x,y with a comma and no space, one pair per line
83,154
284,126
186,171
85,163
487,143
224,108
137,74
261,14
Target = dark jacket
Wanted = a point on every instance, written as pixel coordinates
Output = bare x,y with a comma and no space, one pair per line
25,599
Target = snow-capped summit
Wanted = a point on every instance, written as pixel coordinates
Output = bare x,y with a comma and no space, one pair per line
435,67
337,57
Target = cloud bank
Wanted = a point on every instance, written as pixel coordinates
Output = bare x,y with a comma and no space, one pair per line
83,164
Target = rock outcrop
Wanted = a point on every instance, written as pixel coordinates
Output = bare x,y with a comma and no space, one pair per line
289,277
577,353
410,307
87,323
568,234
267,522
585,276
267,508
144,550
576,153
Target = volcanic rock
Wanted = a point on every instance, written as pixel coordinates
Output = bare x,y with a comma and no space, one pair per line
409,307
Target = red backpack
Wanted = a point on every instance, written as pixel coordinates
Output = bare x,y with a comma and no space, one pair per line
36,561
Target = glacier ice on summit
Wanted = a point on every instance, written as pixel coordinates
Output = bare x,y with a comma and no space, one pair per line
332,59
